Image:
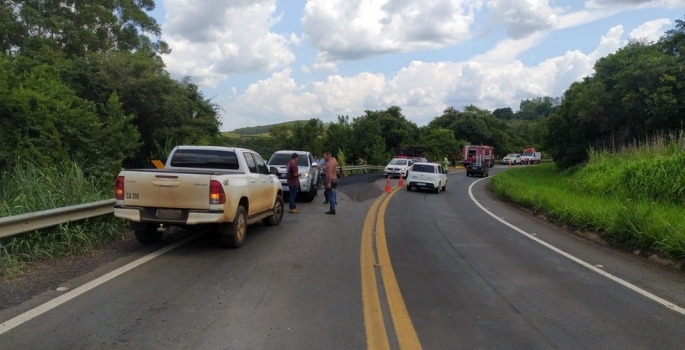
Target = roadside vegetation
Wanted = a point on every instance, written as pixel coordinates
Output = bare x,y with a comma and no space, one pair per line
631,192
30,187
632,198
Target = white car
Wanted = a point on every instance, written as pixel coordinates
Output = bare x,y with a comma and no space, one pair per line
309,173
427,175
512,158
397,167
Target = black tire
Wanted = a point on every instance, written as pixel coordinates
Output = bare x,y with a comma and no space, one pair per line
444,188
408,188
279,209
309,197
233,233
149,236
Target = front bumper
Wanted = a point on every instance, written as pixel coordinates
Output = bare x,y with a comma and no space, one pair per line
395,173
304,185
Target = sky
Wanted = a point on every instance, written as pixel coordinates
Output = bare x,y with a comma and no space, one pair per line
271,61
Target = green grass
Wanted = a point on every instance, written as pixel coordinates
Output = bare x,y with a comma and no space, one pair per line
29,188
633,197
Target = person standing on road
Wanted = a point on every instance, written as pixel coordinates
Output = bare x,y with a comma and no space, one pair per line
446,164
293,176
331,181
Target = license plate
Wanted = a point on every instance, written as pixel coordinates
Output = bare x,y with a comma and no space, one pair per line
283,176
285,188
421,184
169,214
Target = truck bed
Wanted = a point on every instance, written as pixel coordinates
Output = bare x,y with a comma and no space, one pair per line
189,171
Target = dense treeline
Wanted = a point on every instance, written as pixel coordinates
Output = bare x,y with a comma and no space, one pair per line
634,94
372,136
83,81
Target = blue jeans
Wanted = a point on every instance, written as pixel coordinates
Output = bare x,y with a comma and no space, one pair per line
331,198
291,196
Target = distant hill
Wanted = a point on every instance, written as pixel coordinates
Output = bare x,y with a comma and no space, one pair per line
261,129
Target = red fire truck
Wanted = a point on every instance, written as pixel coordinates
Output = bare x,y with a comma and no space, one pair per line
473,152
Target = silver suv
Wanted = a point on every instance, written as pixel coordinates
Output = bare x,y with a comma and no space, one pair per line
309,173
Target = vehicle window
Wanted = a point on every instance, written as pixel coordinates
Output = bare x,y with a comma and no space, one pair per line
250,162
528,154
205,159
261,166
424,168
284,158
398,162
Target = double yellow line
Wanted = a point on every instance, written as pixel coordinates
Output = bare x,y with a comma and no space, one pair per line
373,236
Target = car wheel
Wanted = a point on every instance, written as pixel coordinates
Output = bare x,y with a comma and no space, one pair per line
275,219
233,233
311,194
408,188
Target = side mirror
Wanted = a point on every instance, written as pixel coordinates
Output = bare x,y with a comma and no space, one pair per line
273,170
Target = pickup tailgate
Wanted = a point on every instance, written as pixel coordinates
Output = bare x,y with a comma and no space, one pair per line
166,190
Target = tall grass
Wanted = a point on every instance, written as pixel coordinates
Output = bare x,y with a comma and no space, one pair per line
29,187
633,197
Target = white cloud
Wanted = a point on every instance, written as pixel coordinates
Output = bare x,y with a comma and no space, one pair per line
355,29
211,39
651,30
522,18
592,4
422,89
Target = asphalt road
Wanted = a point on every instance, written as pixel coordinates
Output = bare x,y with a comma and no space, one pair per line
431,271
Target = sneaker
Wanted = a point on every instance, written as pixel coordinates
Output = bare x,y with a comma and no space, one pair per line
330,212
295,211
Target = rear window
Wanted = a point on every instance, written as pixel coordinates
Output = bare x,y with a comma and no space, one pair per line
284,158
205,159
423,168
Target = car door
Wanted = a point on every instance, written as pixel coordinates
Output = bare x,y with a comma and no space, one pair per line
265,182
253,185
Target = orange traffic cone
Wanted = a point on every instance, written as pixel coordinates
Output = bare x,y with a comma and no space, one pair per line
401,183
388,189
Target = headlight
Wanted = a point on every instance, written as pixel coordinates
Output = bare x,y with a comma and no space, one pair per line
304,175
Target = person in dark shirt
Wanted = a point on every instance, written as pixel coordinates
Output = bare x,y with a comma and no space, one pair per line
293,177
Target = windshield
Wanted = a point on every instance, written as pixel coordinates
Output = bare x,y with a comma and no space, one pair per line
284,158
398,162
423,168
528,154
512,155
205,159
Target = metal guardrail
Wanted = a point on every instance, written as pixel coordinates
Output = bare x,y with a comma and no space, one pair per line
29,222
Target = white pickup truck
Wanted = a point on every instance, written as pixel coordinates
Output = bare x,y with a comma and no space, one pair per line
228,188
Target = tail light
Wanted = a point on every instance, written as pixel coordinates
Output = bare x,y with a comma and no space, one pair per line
119,188
216,193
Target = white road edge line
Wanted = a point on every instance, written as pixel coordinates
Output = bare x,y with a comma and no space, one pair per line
53,303
627,284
